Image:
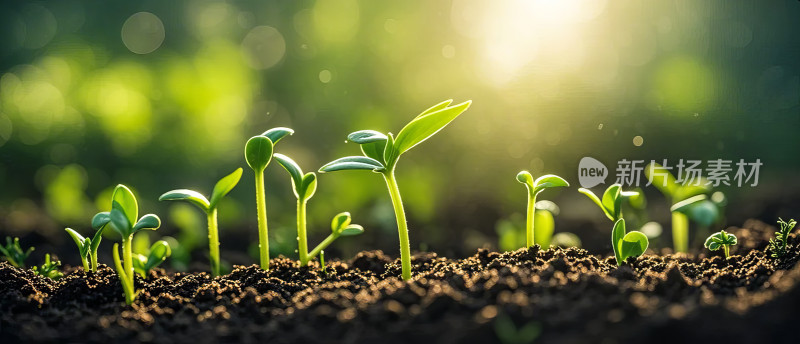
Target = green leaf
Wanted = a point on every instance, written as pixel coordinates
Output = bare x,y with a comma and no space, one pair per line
425,126
661,179
352,230
353,163
435,108
124,197
158,254
100,220
687,191
309,185
716,240
390,155
96,239
276,134
191,196
294,171
366,136
612,200
525,177
617,234
375,150
340,221
119,222
224,186
149,222
597,201
139,262
83,243
683,206
258,152
544,225
633,245
548,181
705,213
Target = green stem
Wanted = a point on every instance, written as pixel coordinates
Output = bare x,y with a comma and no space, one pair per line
127,259
727,251
402,226
329,240
263,232
531,212
85,262
213,241
94,261
680,232
302,241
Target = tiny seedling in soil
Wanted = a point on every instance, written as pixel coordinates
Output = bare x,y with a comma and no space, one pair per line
87,247
534,188
698,208
777,246
49,269
209,207
14,253
304,186
322,262
677,192
123,219
721,239
625,245
157,254
381,153
258,153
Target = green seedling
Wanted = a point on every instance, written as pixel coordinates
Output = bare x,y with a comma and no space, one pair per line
381,153
721,239
49,269
534,188
157,254
87,247
258,153
14,253
123,219
322,262
699,208
676,192
778,245
625,245
340,226
209,207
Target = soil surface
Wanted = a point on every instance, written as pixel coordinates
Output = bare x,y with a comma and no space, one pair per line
553,296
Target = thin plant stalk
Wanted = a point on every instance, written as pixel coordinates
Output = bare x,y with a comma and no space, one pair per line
213,241
263,231
402,225
680,231
328,240
530,223
302,239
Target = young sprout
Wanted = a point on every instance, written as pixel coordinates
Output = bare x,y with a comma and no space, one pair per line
676,192
157,254
123,219
778,245
322,261
340,226
381,153
258,153
698,208
721,239
14,253
87,247
304,186
49,269
625,245
222,188
534,188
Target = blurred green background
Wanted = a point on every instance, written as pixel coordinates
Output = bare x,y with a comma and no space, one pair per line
161,95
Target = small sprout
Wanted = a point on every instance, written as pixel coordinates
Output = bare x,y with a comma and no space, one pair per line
87,247
322,262
625,245
123,219
778,245
381,153
222,188
340,226
258,153
14,253
534,188
157,254
49,269
721,239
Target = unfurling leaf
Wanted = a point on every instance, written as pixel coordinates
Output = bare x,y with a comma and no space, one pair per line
224,186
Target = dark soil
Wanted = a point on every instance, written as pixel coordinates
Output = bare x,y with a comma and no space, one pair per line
571,295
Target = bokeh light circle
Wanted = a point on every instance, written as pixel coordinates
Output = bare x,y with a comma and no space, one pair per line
263,47
143,33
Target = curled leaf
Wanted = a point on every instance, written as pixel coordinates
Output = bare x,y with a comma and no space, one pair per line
353,163
190,196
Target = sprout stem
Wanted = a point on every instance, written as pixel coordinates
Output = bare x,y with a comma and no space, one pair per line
402,226
301,232
531,211
85,262
680,232
213,241
727,250
94,261
261,205
329,240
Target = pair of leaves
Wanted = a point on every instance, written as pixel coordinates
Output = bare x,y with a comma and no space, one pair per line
221,189
258,150
699,208
303,185
611,203
86,245
49,269
631,244
720,239
544,182
122,217
381,151
340,225
158,253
